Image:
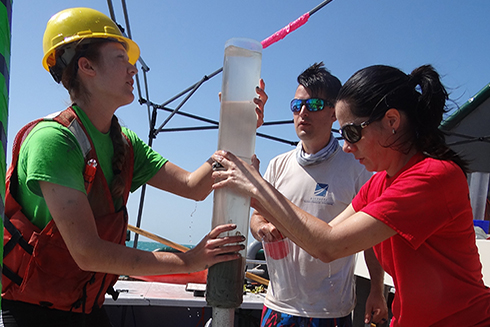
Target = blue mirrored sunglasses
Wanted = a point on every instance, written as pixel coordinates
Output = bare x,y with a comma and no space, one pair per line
313,104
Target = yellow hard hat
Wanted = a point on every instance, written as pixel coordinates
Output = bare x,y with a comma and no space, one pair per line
76,24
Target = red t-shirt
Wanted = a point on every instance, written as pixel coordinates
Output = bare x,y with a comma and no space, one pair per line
433,259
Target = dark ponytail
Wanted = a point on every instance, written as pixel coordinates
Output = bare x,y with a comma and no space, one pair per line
428,116
373,90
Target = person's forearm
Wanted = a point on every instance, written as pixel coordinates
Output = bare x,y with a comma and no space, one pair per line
307,231
355,231
351,233
200,181
376,307
376,272
263,230
108,257
194,185
262,212
95,254
256,221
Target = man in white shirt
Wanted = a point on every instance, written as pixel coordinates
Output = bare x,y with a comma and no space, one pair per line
322,179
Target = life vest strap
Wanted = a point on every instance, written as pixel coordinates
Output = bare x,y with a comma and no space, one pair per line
16,238
7,272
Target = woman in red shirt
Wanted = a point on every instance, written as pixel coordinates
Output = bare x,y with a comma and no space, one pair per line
415,211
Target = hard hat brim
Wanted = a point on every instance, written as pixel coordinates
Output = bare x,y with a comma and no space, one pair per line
132,48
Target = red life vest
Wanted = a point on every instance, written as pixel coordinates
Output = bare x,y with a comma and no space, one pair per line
37,264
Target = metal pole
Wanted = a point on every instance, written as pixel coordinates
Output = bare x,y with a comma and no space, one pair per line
5,45
151,136
222,317
320,6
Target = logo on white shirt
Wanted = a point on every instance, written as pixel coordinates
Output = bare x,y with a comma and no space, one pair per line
321,189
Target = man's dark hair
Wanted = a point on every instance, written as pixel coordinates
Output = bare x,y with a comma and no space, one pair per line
318,80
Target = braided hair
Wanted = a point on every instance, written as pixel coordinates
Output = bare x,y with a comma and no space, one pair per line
118,183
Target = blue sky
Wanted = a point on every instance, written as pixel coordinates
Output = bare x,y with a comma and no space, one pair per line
181,41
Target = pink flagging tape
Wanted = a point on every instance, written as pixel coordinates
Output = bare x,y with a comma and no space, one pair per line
279,35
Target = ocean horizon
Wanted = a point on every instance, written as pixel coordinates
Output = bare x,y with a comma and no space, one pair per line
152,246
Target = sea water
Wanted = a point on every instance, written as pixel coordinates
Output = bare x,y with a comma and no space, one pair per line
241,73
145,246
237,125
237,134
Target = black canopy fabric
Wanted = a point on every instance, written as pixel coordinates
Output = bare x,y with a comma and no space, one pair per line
468,131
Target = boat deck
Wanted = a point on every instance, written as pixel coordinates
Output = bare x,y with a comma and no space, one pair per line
174,295
162,304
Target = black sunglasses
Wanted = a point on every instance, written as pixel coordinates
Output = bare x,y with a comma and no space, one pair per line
313,104
352,133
